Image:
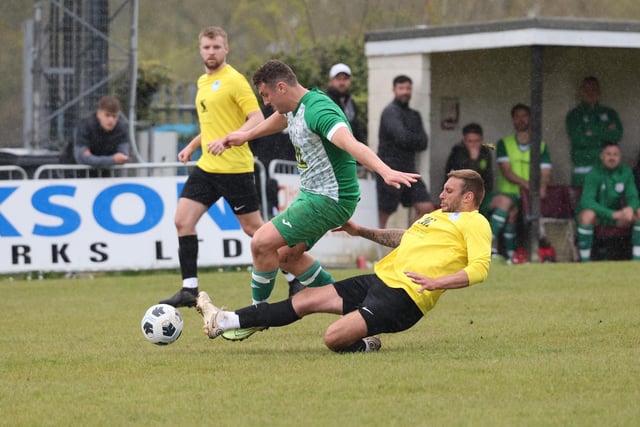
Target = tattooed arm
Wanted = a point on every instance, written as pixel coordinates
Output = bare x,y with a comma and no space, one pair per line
387,237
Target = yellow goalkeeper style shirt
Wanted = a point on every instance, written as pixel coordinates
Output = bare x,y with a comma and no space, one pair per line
224,100
438,244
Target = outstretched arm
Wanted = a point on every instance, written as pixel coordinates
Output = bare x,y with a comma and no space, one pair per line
456,280
363,154
387,237
273,124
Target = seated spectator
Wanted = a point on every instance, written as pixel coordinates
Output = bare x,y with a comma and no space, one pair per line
589,125
609,198
471,153
513,155
102,139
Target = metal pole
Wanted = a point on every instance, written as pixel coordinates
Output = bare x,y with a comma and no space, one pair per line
36,74
533,216
27,90
133,63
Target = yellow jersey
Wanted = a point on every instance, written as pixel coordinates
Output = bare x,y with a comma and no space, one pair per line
224,100
438,244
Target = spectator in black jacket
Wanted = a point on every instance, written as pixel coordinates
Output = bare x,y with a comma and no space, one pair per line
473,154
101,139
400,137
339,90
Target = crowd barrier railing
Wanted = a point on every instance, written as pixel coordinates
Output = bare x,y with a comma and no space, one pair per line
12,172
58,171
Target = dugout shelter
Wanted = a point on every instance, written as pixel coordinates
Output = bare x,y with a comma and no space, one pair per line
477,72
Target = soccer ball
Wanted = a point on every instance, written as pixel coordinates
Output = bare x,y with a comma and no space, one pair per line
162,324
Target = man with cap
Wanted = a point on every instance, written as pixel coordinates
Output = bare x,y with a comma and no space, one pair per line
338,90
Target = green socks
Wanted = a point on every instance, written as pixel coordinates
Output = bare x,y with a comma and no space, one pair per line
585,241
497,221
262,283
315,276
509,236
635,240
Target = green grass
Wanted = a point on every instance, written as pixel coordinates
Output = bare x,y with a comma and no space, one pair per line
535,345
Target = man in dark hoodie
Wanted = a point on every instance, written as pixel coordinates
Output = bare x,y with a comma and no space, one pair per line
401,136
100,140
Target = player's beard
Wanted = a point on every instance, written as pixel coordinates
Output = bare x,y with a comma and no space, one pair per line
404,99
453,205
212,64
521,126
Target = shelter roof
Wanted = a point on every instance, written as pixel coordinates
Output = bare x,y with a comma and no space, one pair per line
502,34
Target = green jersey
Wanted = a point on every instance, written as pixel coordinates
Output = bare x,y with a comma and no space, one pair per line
324,168
588,127
608,190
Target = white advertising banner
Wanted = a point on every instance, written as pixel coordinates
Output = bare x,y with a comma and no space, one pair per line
107,224
110,224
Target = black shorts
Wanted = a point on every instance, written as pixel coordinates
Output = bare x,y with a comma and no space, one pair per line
389,197
239,190
385,309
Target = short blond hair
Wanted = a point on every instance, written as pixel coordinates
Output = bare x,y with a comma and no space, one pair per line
472,182
212,33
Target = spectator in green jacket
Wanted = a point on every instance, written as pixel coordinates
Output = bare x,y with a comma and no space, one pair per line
589,125
610,198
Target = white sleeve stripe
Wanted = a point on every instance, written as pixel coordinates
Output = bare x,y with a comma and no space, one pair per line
334,129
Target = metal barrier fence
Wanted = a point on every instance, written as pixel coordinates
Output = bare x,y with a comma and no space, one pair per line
12,172
61,171
288,167
58,171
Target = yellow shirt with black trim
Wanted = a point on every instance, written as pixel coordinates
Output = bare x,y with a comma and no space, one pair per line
438,244
224,100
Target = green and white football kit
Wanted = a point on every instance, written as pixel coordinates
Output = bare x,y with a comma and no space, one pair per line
329,190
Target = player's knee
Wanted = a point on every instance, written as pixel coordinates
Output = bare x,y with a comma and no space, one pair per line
587,217
249,229
183,226
261,244
503,202
256,247
331,339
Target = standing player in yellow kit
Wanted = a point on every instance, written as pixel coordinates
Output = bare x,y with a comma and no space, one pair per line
225,102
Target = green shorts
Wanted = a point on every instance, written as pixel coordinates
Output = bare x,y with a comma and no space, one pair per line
484,207
310,216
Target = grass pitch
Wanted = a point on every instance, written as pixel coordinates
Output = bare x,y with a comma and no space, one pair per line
535,345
